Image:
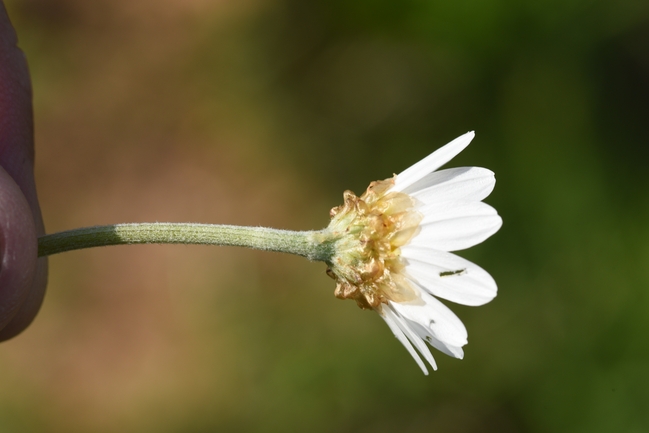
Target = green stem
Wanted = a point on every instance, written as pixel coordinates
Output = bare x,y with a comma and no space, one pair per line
314,245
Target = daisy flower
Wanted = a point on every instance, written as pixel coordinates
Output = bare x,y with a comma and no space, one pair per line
391,250
388,249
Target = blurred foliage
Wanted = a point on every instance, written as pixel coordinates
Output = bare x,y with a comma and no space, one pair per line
263,113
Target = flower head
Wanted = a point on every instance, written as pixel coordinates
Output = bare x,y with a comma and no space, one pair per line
391,249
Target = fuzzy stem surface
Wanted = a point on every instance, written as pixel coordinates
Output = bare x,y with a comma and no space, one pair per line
314,245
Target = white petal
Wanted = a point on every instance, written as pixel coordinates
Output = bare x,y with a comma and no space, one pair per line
390,318
436,318
460,184
448,276
448,349
432,162
456,226
415,339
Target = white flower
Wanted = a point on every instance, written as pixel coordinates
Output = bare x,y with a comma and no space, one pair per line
392,250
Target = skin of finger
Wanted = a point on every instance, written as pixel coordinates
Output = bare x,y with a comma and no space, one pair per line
18,247
17,159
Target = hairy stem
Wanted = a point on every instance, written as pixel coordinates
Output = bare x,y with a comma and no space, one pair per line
313,245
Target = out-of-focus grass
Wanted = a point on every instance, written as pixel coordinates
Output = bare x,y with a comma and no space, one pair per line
262,113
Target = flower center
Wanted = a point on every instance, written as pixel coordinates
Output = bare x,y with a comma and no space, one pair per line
369,231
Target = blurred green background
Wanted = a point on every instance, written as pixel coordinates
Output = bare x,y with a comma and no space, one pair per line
262,113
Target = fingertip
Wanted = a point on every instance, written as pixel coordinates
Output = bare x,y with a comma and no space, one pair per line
30,306
18,249
23,277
